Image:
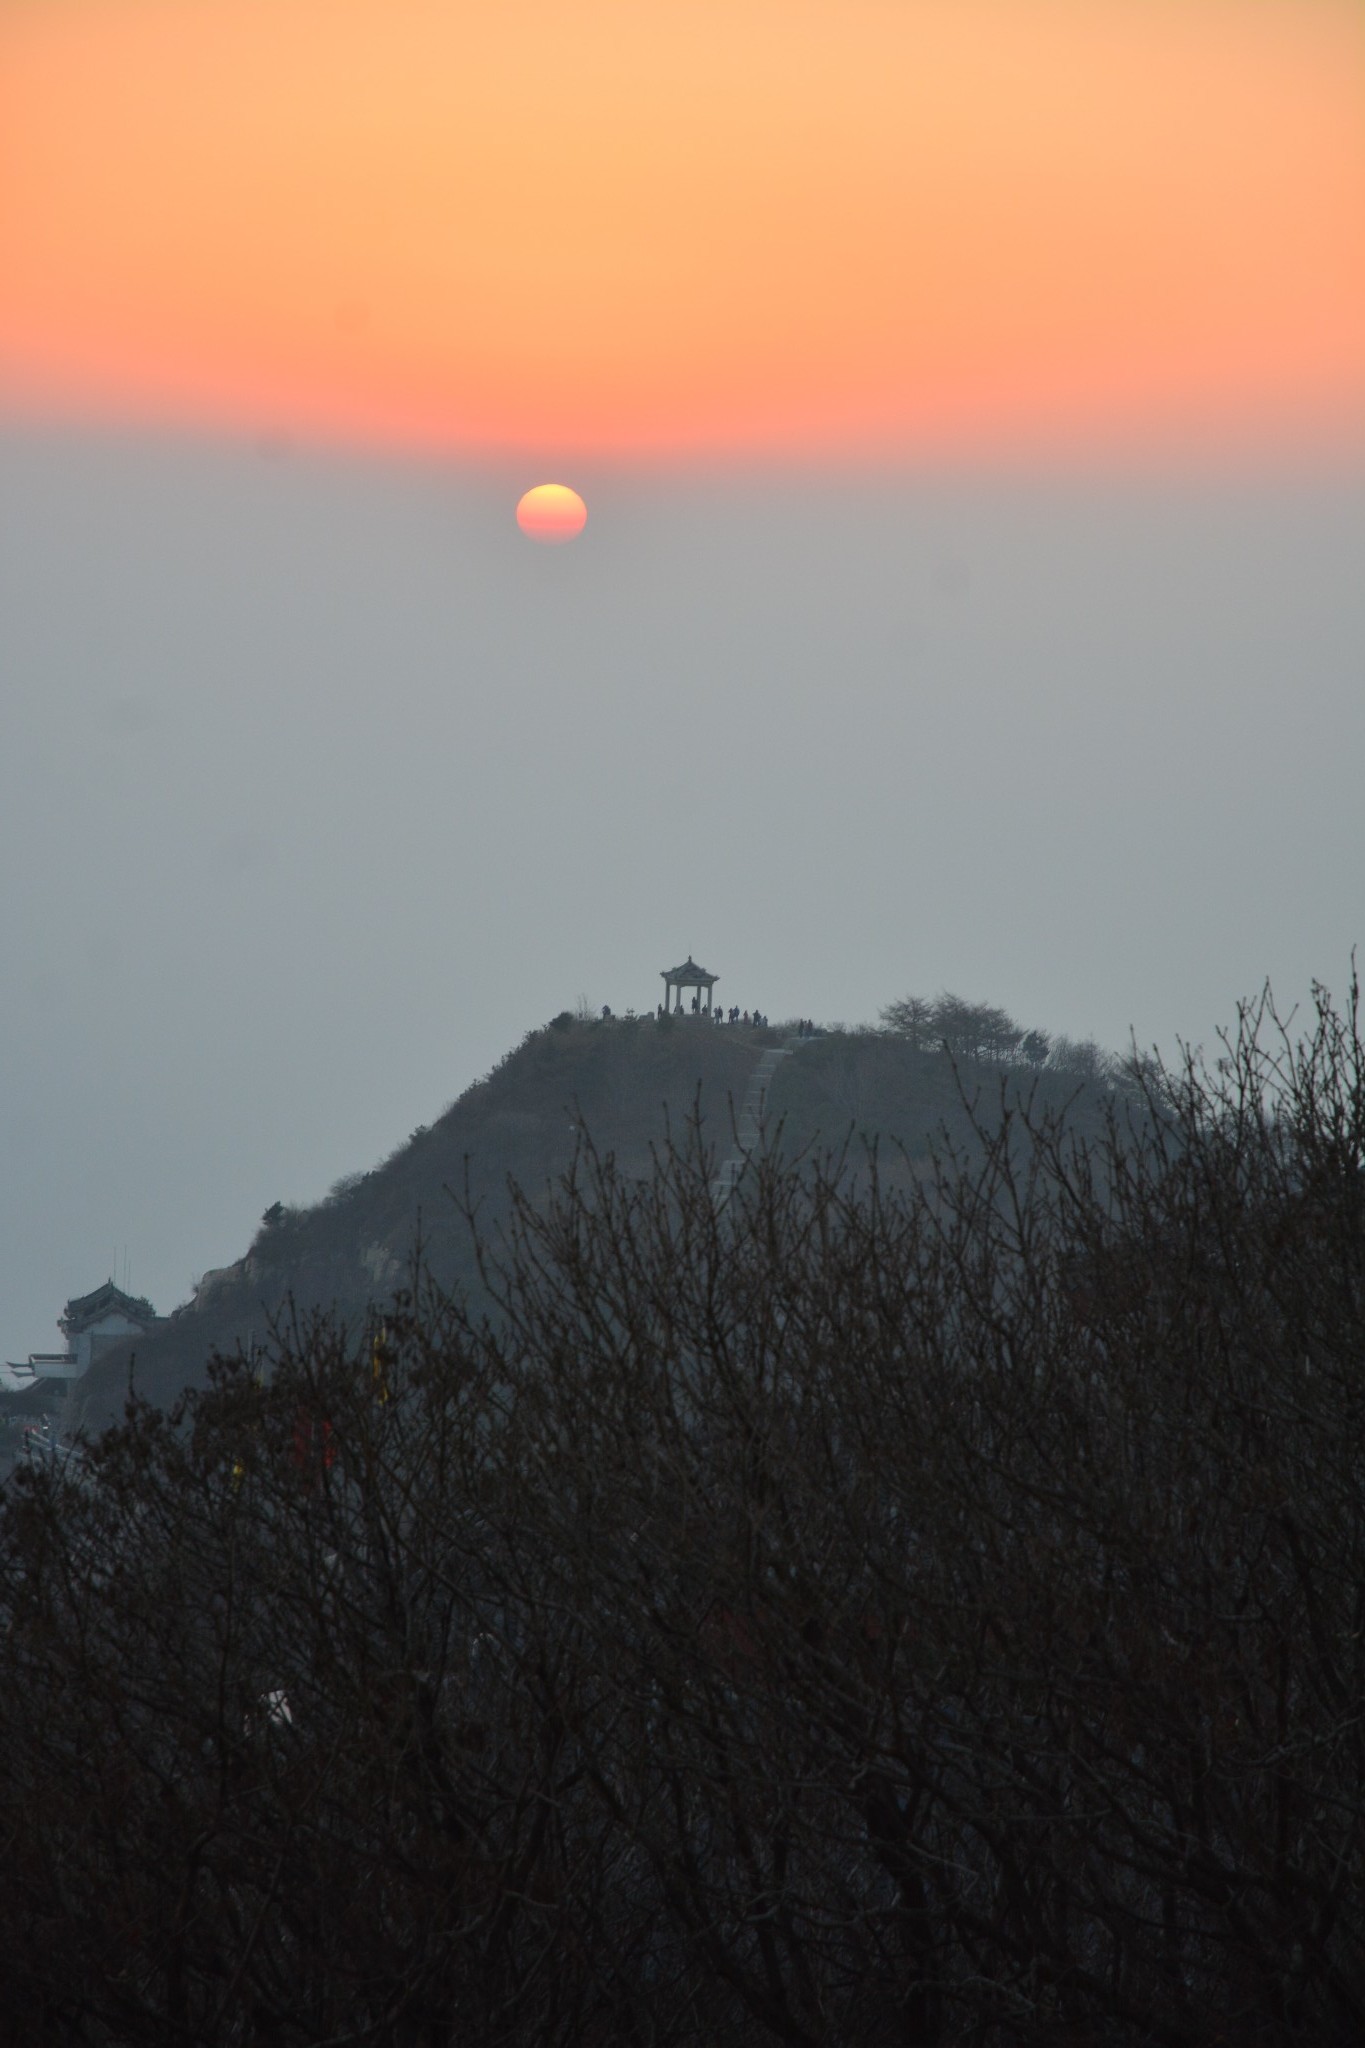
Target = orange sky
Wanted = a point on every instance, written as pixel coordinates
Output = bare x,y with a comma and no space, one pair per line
626,228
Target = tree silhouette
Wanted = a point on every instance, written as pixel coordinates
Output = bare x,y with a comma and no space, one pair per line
838,1618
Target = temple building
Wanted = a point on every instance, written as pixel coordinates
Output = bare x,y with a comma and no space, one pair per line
91,1324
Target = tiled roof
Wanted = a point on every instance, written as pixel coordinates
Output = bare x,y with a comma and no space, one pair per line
689,974
105,1300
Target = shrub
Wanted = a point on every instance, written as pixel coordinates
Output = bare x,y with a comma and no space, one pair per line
833,1618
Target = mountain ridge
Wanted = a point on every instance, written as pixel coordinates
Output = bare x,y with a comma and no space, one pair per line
626,1085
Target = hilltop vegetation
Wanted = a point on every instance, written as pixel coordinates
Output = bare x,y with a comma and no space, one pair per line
625,1082
860,1615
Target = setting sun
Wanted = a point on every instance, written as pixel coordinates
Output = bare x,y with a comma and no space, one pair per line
551,514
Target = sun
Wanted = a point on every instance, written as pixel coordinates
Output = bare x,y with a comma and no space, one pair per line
551,514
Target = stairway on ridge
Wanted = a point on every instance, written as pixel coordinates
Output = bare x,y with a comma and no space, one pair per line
748,1127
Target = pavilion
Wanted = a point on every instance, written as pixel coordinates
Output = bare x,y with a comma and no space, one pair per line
689,975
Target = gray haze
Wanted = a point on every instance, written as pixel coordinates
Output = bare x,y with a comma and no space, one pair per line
319,786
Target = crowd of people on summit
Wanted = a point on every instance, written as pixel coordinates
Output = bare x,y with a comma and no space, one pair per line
805,1028
734,1015
731,1016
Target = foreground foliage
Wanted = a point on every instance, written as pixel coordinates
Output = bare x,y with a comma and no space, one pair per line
931,1619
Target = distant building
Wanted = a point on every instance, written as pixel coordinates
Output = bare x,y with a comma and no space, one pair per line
678,979
91,1324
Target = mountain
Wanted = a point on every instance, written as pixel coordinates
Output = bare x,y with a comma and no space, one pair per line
625,1082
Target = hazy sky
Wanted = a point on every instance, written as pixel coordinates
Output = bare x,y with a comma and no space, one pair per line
319,785
972,424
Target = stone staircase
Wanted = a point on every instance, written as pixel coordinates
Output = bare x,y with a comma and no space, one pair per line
748,1125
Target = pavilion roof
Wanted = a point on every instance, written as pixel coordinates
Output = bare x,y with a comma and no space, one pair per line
689,975
106,1300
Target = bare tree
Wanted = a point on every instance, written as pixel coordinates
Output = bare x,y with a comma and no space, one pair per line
969,1031
844,1617
912,1018
1081,1057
